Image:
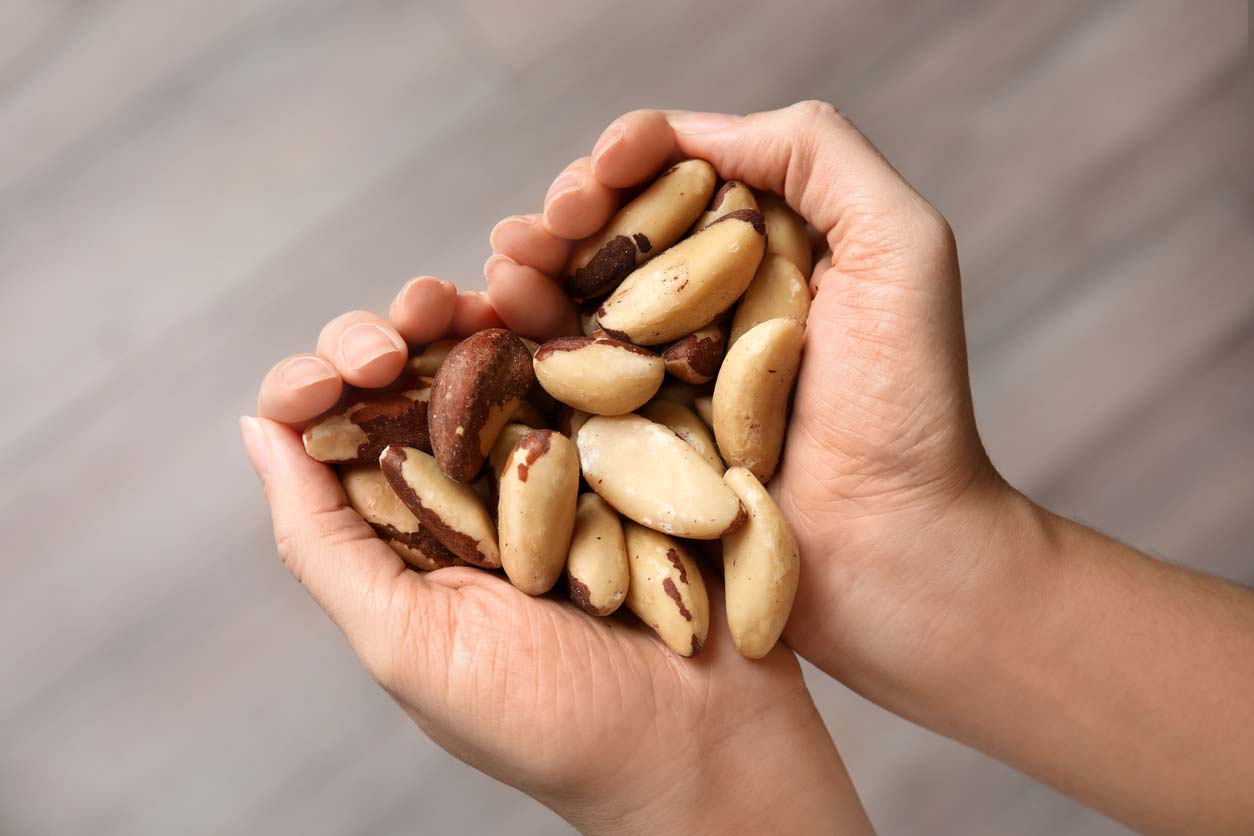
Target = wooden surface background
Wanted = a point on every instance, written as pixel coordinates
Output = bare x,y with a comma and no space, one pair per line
188,190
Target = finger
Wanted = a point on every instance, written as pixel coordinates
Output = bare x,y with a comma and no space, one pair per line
473,312
528,301
299,387
525,239
361,583
632,149
365,349
423,309
810,153
578,204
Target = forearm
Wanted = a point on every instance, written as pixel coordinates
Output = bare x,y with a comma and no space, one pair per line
1124,682
785,779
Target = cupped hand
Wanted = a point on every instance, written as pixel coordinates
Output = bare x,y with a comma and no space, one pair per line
883,469
593,717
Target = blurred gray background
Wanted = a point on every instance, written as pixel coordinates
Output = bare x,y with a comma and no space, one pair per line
188,190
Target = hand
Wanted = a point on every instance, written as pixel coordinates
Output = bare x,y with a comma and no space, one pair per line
882,454
593,717
928,584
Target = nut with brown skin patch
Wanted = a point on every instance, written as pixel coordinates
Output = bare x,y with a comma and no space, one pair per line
476,390
509,436
652,476
370,495
696,357
596,568
778,290
761,565
666,590
751,394
536,509
786,232
598,375
690,284
646,226
732,196
685,424
371,421
450,510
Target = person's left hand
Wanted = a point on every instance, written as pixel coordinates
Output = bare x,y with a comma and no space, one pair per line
595,718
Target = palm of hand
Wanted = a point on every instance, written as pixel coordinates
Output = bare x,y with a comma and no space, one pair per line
546,697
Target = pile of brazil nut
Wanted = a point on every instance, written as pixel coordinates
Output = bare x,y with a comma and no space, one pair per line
611,456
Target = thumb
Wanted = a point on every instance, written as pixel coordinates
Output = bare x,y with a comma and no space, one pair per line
362,584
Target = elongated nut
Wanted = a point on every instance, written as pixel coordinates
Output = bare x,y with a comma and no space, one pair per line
786,232
476,390
448,509
509,436
370,422
704,407
536,510
761,564
685,424
731,196
371,496
654,477
427,362
596,568
640,230
598,374
690,284
778,290
666,590
696,357
751,395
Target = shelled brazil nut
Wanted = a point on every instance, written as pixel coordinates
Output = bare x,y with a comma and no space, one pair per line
371,420
370,495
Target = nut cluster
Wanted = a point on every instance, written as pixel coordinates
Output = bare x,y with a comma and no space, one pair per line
609,457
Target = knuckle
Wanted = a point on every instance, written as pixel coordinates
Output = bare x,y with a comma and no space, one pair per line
814,111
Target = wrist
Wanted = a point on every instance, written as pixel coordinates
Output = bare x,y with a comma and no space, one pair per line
780,775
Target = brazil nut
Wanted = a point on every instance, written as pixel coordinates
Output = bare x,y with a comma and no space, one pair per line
731,197
370,495
646,226
598,375
696,357
536,509
370,422
666,590
596,569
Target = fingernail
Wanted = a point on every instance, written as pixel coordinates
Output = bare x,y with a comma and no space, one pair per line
612,136
701,123
301,372
255,445
569,182
364,343
515,219
493,261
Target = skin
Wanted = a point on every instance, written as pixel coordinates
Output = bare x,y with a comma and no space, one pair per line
929,585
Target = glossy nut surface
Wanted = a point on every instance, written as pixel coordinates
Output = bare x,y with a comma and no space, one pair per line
666,590
598,375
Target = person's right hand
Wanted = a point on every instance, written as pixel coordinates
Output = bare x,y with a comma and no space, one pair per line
882,456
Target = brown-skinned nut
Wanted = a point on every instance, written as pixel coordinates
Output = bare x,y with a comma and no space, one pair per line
597,573
750,402
536,509
786,232
761,564
427,362
449,509
598,375
696,357
778,290
370,495
732,196
650,475
371,421
690,284
685,424
666,590
646,226
476,390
